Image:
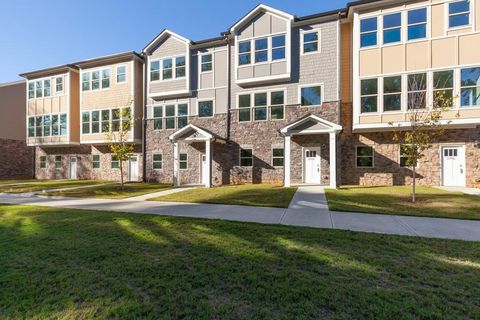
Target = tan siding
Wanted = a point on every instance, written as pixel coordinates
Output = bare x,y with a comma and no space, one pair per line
138,93
346,62
12,111
370,62
440,56
393,59
468,55
74,115
418,55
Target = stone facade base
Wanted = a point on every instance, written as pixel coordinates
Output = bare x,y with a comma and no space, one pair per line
16,159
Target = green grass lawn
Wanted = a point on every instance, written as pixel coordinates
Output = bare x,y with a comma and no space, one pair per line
40,185
65,263
263,195
114,191
4,182
431,202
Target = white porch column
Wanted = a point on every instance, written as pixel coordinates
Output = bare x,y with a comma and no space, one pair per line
333,159
287,155
208,156
176,164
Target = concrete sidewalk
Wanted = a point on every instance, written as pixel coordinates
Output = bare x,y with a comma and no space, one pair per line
308,208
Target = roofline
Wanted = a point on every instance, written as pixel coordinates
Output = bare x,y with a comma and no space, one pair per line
321,15
12,83
158,36
359,3
68,66
126,54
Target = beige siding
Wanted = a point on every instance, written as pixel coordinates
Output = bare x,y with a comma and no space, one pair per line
74,115
12,111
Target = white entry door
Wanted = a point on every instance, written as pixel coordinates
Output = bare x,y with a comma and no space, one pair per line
73,168
133,169
312,165
453,163
204,170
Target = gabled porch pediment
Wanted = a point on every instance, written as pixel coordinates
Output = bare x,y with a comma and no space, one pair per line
310,124
192,133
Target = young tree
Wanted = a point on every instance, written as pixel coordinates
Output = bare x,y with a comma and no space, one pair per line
424,121
117,136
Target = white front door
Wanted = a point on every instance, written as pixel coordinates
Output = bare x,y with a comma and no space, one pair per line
453,166
312,165
73,168
133,169
204,170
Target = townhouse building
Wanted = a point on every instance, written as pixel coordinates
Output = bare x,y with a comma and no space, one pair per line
275,98
410,51
71,109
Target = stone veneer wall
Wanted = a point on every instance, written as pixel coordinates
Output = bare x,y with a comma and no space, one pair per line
16,159
85,169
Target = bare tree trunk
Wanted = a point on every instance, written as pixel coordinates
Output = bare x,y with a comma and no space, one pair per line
121,174
414,182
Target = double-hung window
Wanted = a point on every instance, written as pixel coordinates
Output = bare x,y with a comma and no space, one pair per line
85,122
31,90
407,156
368,32
157,161
105,121
179,67
392,93
182,115
158,117
417,91
470,87
459,13
278,47
47,88
63,124
58,162
38,126
95,121
417,24
170,116
116,120
183,161
244,52
310,42
311,96
105,78
277,105
47,125
115,163
167,67
154,70
364,157
206,62
39,88
392,28
86,81
43,162
205,108
244,106
260,106
261,50
246,157
31,127
95,80
59,85
55,128
278,156
121,74
96,161
443,88
369,95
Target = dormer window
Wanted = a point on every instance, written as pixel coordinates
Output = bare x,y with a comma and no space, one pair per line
244,50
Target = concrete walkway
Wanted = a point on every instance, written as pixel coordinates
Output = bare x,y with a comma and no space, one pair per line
470,191
308,208
147,196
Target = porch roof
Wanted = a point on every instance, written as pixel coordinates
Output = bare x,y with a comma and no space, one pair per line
310,124
193,133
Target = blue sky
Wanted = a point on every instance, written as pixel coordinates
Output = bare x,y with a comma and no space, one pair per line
40,34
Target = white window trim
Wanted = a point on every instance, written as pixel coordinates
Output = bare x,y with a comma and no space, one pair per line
269,104
90,71
116,73
161,162
200,63
471,16
240,156
393,28
273,157
51,125
180,161
319,41
379,40
176,112
40,162
310,85
426,23
356,156
58,93
90,122
400,158
252,49
213,107
34,81
174,67
381,101
55,162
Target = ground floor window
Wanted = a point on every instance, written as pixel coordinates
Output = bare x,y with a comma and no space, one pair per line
96,161
278,157
43,162
115,162
58,162
157,161
183,161
404,152
246,157
170,116
364,157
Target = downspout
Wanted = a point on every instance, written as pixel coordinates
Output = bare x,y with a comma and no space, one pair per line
229,88
34,166
144,125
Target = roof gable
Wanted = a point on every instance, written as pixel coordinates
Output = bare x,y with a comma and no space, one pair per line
255,12
162,36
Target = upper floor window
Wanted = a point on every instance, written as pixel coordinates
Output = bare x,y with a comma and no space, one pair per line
311,96
31,90
121,74
278,47
107,119
417,24
470,87
59,85
205,108
244,50
39,88
443,88
368,32
392,93
47,88
170,116
169,68
95,80
310,42
392,27
47,125
261,50
459,14
206,62
369,95
261,105
265,49
417,91
85,122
